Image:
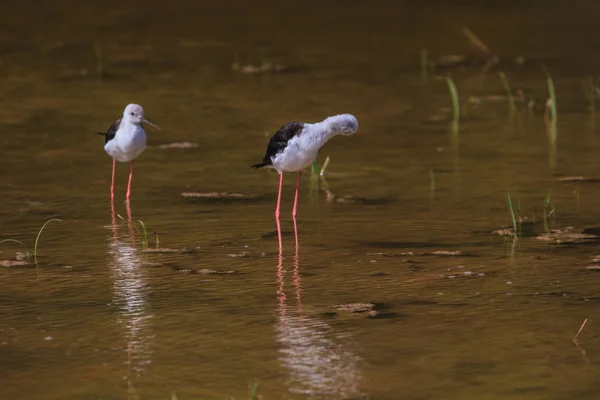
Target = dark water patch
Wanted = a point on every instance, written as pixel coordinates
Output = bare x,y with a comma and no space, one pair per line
273,234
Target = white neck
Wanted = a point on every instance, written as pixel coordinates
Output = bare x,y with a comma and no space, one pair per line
321,132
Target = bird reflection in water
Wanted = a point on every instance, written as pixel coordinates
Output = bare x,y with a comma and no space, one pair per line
130,293
318,363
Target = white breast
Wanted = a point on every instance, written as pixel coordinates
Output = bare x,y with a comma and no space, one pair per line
129,142
300,152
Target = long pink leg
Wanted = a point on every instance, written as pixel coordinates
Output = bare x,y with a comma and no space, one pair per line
295,211
277,212
112,185
130,179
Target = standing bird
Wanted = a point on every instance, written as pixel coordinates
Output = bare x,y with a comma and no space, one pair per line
125,140
295,146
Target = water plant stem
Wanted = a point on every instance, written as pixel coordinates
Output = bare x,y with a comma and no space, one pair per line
552,94
511,210
37,239
511,99
455,100
17,241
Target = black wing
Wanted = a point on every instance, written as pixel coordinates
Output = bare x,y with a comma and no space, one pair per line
279,141
111,132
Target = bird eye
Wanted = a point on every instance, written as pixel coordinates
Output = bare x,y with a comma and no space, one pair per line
132,113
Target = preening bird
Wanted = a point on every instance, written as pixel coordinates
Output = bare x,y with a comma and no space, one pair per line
295,146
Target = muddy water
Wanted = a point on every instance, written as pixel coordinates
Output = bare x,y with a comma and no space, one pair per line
101,318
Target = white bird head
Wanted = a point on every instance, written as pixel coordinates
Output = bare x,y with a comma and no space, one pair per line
344,124
134,113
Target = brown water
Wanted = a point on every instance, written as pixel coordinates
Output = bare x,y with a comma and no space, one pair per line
100,319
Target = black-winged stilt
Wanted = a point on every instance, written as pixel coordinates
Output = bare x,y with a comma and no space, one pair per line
295,146
125,140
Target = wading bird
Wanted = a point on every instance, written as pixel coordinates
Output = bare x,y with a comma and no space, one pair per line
295,146
125,140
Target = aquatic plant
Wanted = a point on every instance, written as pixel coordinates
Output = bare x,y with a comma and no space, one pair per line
143,232
254,391
317,177
547,211
511,99
455,100
35,245
551,104
513,215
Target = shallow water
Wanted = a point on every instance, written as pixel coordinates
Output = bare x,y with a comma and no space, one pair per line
102,319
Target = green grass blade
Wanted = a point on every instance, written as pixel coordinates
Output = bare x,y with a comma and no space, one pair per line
144,233
455,100
37,239
314,168
551,93
17,241
254,391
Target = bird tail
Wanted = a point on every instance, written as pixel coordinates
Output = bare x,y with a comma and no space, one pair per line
259,165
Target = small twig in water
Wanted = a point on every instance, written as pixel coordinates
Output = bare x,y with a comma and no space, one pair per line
324,167
579,331
479,45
